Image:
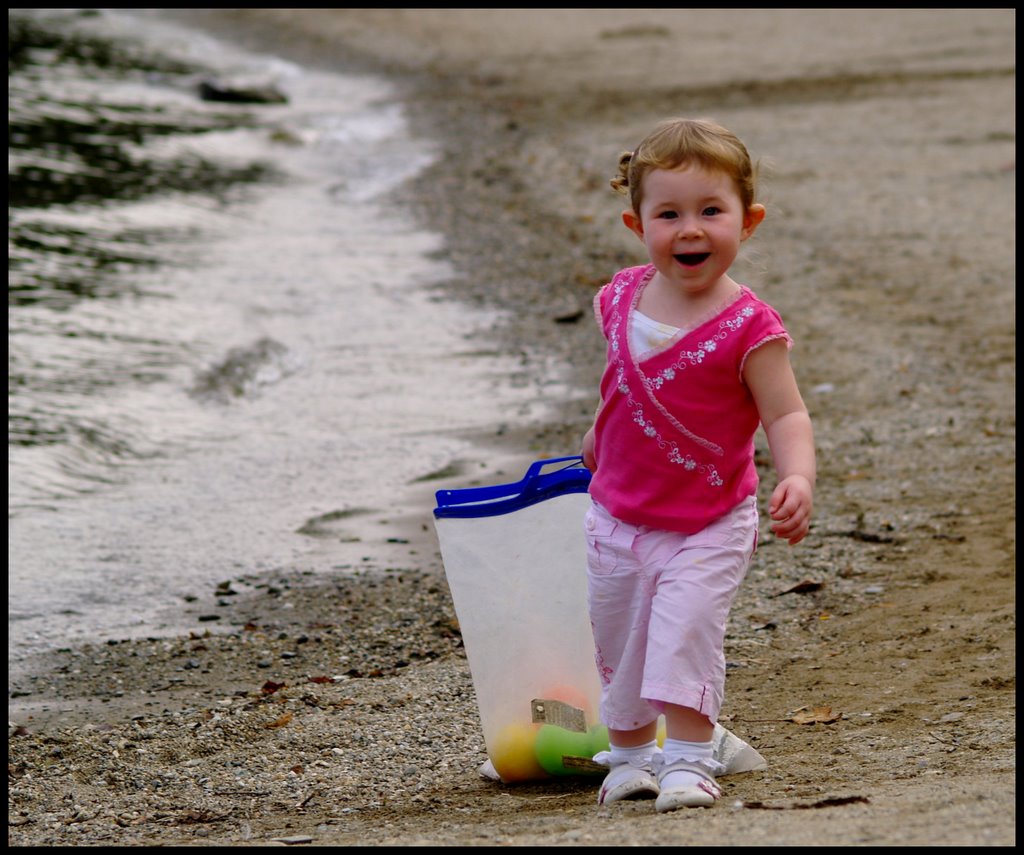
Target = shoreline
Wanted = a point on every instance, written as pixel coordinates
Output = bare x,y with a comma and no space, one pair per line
404,539
910,633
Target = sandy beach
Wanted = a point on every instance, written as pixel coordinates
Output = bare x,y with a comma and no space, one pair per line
341,711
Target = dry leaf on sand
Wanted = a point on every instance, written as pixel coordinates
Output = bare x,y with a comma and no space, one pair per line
815,715
281,722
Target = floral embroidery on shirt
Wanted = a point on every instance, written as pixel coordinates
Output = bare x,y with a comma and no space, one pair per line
671,448
696,357
652,384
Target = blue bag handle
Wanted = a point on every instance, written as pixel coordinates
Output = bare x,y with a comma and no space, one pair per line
536,486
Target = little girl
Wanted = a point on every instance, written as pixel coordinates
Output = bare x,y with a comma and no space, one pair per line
695,363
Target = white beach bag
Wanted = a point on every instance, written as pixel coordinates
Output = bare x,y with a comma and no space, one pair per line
515,559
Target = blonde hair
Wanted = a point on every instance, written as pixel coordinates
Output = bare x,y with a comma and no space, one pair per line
682,142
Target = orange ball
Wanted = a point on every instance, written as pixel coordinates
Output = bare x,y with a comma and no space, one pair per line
568,695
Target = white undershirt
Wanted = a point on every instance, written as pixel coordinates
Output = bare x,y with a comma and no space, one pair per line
648,334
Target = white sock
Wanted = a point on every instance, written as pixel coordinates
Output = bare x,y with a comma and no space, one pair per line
638,755
680,749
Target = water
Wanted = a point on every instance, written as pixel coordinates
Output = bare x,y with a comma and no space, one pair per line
224,348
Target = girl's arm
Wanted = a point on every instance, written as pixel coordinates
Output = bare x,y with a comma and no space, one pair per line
587,450
769,376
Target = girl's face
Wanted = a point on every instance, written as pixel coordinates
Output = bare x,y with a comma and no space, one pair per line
692,222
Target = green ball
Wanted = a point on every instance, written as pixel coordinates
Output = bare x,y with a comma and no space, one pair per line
553,743
598,739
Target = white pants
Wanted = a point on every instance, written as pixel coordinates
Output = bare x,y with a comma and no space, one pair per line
659,602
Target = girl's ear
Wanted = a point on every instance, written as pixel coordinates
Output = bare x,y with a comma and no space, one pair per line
753,218
633,222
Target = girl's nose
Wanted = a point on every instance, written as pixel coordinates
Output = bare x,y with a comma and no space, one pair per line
689,227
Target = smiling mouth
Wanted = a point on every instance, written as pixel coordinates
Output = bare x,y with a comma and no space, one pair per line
692,259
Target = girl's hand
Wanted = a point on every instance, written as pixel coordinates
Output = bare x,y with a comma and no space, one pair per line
790,509
790,438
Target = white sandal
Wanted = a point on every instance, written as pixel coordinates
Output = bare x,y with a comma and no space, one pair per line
702,794
627,781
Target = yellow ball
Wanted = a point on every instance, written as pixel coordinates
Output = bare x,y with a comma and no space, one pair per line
513,753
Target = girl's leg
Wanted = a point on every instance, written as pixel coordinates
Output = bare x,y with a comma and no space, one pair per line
687,760
619,603
685,667
699,575
687,724
631,774
633,738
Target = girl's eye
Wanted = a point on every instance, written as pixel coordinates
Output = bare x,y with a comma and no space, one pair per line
711,210
668,215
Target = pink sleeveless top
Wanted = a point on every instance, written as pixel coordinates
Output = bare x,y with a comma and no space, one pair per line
674,440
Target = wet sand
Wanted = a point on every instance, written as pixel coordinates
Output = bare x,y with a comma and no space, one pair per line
887,139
